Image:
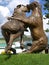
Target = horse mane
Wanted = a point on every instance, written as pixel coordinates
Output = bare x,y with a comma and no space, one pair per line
15,13
39,8
36,4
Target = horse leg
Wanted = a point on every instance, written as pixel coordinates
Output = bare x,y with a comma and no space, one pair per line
37,46
12,38
6,35
21,41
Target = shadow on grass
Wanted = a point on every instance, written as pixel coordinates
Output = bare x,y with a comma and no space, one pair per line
8,56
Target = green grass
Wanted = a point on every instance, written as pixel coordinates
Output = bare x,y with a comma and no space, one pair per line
25,59
2,41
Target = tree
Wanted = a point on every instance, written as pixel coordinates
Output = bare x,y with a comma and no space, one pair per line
47,30
46,7
48,22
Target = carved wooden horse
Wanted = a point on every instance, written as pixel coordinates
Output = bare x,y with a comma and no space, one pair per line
14,28
35,23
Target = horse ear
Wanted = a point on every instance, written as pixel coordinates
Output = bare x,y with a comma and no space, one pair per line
35,4
28,8
18,6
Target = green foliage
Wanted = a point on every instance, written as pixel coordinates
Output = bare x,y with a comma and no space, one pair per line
47,30
47,15
25,59
48,22
46,7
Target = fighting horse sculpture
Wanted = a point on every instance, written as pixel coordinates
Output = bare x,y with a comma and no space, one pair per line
14,28
35,24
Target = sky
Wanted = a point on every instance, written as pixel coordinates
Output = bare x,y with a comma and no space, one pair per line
7,8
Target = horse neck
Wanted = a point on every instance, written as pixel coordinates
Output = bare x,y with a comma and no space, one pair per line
17,14
36,12
22,14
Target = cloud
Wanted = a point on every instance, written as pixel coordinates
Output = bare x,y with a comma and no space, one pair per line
0,1
37,0
4,11
1,18
14,3
45,25
45,21
4,2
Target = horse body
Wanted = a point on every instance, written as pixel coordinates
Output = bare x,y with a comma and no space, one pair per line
36,27
13,28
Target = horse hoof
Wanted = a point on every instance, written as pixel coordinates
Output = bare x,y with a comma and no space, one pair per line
22,47
13,50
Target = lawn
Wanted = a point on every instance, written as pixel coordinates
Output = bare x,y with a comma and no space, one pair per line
25,59
2,41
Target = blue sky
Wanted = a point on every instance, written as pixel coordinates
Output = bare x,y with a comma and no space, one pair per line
7,8
41,2
6,2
